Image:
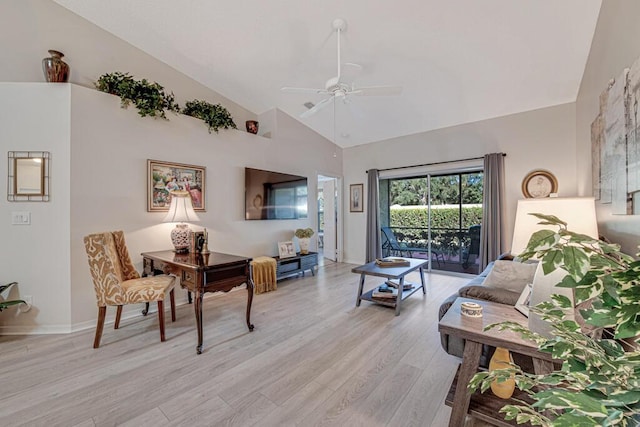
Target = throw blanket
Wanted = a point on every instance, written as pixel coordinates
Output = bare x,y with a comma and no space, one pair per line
264,274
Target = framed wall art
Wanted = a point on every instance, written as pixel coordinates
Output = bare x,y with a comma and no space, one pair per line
28,178
286,249
355,198
539,183
165,177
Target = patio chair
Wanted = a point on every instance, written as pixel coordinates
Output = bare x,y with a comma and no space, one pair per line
474,246
391,246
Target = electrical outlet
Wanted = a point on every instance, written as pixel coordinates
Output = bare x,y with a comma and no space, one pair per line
28,299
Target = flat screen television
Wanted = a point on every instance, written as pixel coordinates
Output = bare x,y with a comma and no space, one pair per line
274,195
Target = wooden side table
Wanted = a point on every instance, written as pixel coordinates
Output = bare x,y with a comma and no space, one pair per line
484,406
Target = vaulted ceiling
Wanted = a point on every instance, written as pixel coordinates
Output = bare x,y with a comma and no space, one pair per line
458,61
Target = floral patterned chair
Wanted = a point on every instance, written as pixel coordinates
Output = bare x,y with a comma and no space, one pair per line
116,281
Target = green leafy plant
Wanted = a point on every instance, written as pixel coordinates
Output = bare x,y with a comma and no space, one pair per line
149,98
599,381
4,303
303,233
215,116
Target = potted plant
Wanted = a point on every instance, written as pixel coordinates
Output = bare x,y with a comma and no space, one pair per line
599,381
4,303
304,236
149,98
215,116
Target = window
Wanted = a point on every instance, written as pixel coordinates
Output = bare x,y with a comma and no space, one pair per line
440,213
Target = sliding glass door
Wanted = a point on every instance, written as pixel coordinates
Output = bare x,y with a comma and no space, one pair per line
435,217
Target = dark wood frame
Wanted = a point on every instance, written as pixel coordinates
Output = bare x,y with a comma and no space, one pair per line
353,190
154,204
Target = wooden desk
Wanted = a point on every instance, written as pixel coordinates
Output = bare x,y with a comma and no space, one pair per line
472,330
213,272
397,273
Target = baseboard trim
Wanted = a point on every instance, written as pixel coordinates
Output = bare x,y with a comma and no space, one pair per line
91,324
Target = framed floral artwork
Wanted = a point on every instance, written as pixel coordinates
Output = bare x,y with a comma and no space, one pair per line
165,177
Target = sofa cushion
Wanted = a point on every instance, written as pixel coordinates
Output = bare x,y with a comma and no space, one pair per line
510,275
486,293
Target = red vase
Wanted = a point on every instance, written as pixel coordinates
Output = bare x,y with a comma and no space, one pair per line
252,126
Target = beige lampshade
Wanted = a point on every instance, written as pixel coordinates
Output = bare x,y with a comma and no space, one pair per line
580,215
578,212
181,209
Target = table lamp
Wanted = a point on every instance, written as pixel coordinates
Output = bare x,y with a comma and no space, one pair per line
580,215
180,212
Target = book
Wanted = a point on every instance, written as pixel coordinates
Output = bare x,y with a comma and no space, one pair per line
405,287
392,262
385,292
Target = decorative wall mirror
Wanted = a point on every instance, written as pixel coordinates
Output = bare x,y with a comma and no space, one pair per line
28,176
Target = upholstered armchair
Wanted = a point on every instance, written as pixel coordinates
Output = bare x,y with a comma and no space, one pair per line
116,281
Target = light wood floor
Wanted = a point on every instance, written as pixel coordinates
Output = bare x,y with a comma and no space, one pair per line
313,359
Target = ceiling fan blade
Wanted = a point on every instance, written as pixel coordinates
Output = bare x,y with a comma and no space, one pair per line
319,106
303,90
376,91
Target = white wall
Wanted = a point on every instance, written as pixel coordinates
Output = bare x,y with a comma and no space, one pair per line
99,154
29,28
616,45
540,139
36,117
99,167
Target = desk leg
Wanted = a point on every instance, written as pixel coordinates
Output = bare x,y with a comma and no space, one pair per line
424,288
470,361
360,289
249,301
198,309
399,297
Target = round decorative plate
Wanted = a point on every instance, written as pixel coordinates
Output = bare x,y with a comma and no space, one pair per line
539,183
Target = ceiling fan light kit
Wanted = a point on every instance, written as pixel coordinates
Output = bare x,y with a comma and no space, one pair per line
335,87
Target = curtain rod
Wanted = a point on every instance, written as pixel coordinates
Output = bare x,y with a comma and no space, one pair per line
435,163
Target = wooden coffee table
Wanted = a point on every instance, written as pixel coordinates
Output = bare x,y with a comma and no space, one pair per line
390,273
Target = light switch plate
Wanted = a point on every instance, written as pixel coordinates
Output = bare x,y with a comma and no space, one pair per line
21,218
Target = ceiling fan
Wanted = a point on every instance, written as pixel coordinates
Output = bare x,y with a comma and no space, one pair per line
336,88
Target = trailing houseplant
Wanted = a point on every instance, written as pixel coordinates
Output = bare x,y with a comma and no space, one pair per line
214,115
599,381
149,98
4,303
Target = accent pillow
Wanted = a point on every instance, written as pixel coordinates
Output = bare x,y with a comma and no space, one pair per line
510,275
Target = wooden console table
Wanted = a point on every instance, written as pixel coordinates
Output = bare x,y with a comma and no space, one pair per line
397,273
201,273
485,406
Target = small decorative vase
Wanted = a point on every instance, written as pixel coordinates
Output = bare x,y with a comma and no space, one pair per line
501,359
304,245
252,126
55,69
181,238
